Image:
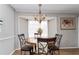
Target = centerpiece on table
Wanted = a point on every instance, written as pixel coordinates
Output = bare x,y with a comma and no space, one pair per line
40,31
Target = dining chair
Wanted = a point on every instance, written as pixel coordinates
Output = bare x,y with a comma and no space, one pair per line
56,46
24,45
43,44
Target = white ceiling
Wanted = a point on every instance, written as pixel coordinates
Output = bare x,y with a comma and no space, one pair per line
47,8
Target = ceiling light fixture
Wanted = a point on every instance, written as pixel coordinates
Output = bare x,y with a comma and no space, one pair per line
40,17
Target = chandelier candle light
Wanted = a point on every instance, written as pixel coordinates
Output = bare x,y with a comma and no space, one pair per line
40,17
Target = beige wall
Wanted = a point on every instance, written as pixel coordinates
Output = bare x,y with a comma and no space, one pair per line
70,37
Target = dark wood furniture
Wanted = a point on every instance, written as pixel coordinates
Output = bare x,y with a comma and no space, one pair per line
24,45
41,46
56,45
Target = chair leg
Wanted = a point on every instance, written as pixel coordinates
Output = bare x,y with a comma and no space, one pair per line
53,52
38,51
32,49
35,48
58,52
30,52
21,52
24,52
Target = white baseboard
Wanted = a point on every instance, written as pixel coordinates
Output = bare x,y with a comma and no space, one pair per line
68,47
60,48
12,52
7,37
18,49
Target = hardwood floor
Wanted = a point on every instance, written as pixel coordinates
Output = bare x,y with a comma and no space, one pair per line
74,51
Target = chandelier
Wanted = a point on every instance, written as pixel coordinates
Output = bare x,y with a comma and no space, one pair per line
40,17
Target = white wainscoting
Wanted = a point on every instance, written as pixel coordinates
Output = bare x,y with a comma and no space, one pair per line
6,38
68,47
7,45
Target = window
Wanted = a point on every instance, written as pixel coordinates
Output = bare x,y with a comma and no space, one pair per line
34,25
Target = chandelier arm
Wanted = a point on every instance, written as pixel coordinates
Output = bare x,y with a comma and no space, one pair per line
40,17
